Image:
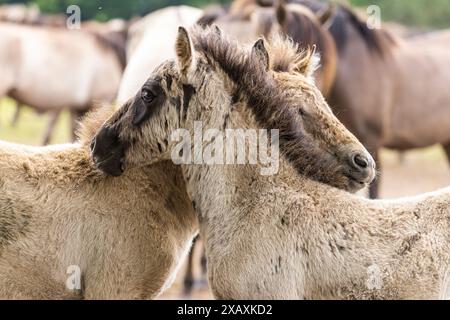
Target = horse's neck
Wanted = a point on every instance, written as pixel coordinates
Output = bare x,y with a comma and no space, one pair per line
217,189
225,195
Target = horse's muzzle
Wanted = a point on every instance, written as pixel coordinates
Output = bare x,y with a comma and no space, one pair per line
361,169
108,152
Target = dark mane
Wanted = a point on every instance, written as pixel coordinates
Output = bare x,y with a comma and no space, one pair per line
303,29
115,41
269,104
379,41
211,14
307,31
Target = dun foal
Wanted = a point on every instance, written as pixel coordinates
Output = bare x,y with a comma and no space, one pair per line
286,235
283,236
127,236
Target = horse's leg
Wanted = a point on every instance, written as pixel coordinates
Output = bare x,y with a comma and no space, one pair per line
402,157
447,151
16,114
204,265
374,187
75,117
51,126
204,262
188,282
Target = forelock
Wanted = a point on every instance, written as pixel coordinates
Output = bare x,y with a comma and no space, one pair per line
283,53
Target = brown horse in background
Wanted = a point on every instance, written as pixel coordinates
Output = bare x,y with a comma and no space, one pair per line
376,93
296,21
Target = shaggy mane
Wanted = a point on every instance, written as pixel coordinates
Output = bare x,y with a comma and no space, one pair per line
271,108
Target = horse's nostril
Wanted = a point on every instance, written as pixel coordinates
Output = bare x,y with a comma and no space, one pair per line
360,161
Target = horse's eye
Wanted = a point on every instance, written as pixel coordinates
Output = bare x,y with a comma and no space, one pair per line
147,95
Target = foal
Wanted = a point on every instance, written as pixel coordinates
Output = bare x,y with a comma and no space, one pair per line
286,235
314,241
127,236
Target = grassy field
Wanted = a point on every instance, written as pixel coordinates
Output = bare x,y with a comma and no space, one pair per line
31,126
418,13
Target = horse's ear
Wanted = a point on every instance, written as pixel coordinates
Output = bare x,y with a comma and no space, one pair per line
281,11
308,62
326,15
183,48
260,52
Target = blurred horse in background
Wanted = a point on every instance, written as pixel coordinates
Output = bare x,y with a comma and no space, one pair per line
296,21
148,46
114,30
30,15
50,69
19,13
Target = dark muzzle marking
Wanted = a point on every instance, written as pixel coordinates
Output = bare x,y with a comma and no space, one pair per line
108,151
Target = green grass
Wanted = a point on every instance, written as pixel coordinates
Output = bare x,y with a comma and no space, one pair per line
31,126
419,13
